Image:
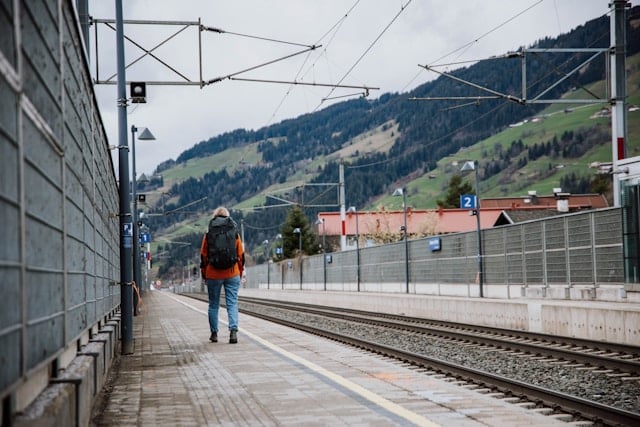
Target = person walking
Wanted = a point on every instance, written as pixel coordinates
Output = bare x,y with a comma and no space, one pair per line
222,265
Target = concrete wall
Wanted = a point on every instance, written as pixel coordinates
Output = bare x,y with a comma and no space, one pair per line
593,320
59,257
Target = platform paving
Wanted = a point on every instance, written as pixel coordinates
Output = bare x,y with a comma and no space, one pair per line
276,376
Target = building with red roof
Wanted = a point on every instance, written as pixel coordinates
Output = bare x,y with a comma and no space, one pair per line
387,226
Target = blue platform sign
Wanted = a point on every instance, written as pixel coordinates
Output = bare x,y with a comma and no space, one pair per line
468,201
145,238
434,244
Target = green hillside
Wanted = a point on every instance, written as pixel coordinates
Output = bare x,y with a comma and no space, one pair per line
230,159
543,174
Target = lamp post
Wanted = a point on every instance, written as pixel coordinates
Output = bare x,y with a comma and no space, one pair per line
324,252
352,210
298,231
126,232
268,259
402,192
468,166
145,135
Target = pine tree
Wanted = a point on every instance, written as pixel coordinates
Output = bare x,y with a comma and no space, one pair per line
291,241
456,188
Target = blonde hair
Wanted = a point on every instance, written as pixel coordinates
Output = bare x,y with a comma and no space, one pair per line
220,211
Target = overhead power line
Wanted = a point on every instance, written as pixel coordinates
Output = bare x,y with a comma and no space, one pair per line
474,41
221,31
334,31
367,50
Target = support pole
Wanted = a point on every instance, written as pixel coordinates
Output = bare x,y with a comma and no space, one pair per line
136,229
406,240
324,255
479,231
126,226
83,14
343,235
618,91
357,253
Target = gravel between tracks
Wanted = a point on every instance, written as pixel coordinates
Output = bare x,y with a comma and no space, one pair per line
590,384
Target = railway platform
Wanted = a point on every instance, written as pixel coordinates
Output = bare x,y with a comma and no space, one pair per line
278,376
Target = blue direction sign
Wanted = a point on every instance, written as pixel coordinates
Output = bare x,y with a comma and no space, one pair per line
468,201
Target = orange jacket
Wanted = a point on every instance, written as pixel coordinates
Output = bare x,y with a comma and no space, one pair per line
210,272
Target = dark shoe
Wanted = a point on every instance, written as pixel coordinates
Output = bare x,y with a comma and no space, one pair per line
233,338
213,337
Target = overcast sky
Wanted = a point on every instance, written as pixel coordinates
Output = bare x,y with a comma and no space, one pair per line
372,43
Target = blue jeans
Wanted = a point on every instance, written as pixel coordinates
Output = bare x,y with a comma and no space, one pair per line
231,287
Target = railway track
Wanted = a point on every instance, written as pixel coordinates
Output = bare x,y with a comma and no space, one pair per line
618,358
579,354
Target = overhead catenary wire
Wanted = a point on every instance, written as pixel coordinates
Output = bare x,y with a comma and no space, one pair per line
367,88
261,208
496,93
348,95
321,194
333,30
292,83
565,75
185,206
229,76
469,61
520,53
492,30
308,48
474,41
253,227
367,50
221,31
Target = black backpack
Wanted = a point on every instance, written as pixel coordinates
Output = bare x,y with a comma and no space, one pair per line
221,242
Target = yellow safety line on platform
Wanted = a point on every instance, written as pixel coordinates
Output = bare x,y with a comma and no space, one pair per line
394,408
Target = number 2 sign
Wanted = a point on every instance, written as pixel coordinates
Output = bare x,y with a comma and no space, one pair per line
467,201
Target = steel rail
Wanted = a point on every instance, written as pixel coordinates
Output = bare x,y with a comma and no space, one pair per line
580,351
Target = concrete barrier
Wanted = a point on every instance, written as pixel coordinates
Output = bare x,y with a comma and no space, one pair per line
616,322
69,398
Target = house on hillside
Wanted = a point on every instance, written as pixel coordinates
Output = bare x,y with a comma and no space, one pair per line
375,227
